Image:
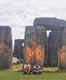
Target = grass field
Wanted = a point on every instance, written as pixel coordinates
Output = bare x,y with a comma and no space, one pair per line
6,75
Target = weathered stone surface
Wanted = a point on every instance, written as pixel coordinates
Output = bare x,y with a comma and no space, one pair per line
5,47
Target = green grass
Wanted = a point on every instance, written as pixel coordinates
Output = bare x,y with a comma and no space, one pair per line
6,75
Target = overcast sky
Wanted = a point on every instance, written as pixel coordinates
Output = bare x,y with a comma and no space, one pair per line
20,13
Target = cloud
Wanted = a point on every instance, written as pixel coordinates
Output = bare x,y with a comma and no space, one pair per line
19,13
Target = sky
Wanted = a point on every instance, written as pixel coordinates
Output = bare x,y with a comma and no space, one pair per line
20,13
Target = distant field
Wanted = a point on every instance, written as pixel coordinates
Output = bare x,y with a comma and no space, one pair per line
6,75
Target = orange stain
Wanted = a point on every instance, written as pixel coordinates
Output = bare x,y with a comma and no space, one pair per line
63,56
37,53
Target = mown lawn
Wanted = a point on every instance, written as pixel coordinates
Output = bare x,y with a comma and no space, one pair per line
6,75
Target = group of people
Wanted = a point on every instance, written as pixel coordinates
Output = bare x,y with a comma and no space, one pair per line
28,68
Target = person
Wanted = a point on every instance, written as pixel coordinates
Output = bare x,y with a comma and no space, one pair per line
27,68
34,67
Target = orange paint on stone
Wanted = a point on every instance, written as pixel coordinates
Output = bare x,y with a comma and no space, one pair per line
63,56
37,53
